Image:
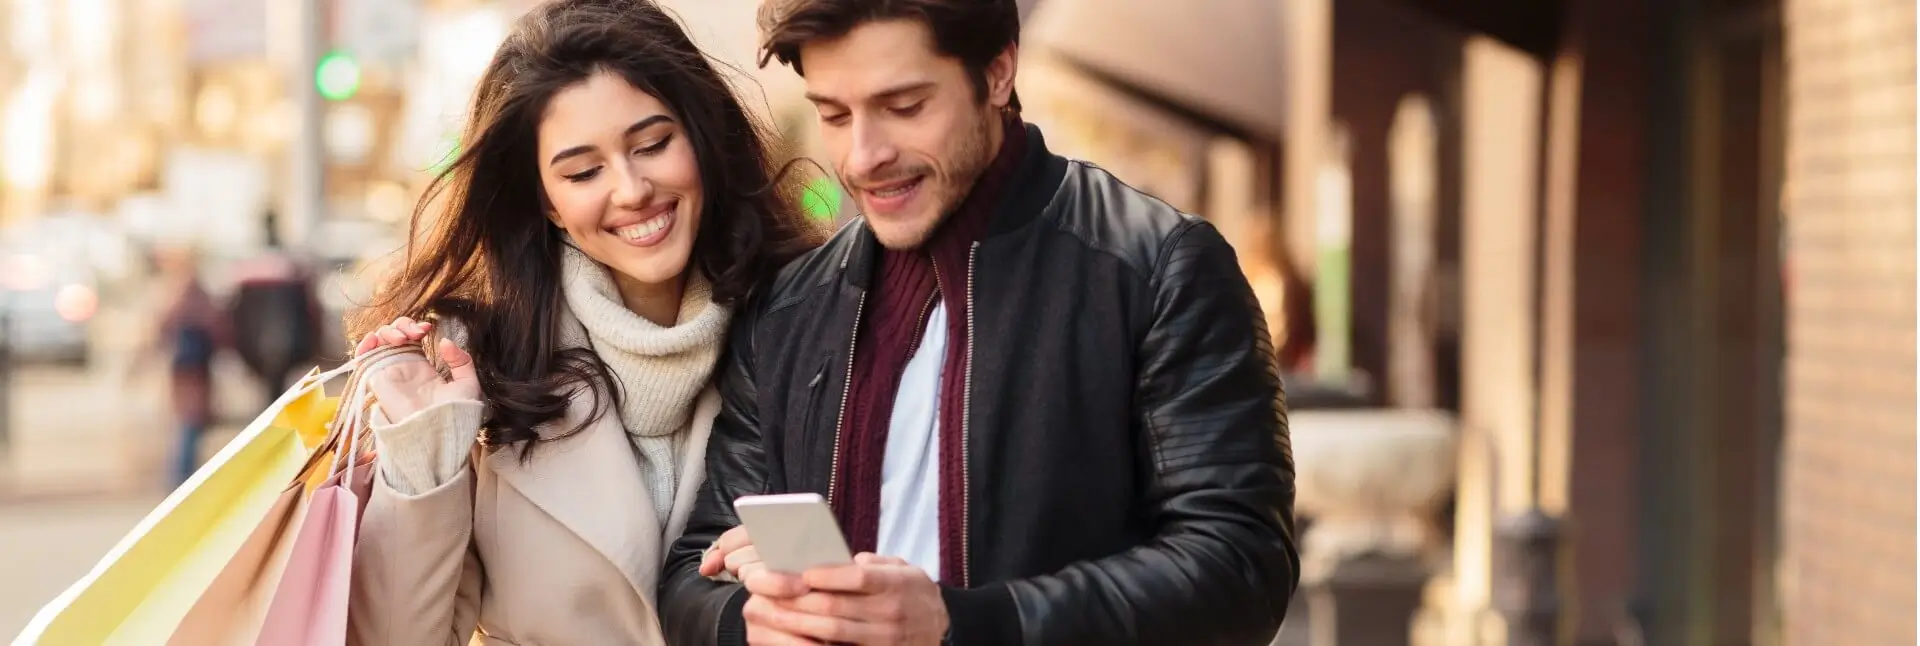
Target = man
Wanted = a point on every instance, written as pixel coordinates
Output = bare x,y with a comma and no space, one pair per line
1045,400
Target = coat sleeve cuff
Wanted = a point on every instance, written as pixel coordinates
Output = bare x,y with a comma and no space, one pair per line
981,616
429,447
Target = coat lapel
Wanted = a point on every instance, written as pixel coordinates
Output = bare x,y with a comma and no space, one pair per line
590,483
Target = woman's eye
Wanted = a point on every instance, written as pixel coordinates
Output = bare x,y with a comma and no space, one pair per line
655,147
582,175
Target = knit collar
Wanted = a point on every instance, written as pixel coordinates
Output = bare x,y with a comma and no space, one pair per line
660,371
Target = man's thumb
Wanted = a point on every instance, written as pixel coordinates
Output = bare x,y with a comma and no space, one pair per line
457,360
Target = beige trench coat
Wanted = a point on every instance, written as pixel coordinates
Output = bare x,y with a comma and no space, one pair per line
563,550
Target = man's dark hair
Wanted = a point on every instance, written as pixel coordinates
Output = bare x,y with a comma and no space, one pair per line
974,31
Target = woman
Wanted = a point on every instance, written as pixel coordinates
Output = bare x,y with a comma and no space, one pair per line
612,204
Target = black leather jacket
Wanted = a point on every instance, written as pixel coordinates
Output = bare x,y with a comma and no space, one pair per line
1129,476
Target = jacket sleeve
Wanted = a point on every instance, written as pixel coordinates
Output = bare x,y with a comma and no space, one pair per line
1223,562
416,576
695,610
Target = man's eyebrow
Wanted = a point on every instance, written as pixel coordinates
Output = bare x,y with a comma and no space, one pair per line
904,88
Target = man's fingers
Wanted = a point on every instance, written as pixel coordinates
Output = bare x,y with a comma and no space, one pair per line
768,583
758,636
748,570
715,558
367,344
785,619
865,579
741,558
870,558
733,539
760,616
855,607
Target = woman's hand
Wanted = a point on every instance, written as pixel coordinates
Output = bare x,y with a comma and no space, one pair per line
410,385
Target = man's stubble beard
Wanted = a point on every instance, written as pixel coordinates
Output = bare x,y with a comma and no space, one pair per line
971,156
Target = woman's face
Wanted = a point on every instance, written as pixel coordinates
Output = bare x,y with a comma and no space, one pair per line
622,178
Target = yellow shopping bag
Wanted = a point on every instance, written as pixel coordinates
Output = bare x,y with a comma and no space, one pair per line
138,592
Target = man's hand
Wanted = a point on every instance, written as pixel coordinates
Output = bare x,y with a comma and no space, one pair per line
876,600
732,553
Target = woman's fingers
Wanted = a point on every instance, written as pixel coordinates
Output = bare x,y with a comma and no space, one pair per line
367,344
403,330
458,361
392,336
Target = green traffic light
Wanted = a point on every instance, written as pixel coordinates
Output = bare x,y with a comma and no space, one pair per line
337,76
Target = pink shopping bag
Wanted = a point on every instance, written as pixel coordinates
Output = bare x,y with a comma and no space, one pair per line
309,607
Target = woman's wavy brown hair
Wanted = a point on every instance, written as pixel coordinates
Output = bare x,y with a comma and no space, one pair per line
482,251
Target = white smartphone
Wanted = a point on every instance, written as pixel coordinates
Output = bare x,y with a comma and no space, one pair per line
793,532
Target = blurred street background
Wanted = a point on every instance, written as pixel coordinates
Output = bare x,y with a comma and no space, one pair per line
1597,317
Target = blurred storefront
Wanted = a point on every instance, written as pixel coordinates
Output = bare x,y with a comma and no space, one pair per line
1564,232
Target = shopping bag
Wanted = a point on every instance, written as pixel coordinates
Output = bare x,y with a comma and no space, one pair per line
142,588
309,607
234,607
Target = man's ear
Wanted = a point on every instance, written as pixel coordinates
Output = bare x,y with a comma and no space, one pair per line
1000,72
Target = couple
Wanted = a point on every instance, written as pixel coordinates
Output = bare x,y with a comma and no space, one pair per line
1043,404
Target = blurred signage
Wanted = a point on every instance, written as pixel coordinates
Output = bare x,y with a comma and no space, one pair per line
214,198
378,31
455,47
226,30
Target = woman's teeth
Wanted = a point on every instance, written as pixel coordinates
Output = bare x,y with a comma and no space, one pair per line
644,229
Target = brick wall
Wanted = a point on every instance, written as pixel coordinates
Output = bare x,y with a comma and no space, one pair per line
1848,472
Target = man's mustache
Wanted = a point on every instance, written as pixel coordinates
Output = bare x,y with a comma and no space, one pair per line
891,177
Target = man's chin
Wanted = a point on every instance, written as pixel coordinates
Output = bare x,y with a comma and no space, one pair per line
901,233
903,239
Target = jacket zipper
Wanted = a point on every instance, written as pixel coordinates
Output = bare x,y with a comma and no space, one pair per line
966,440
840,419
966,418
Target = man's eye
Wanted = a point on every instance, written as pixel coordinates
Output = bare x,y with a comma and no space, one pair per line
908,111
833,119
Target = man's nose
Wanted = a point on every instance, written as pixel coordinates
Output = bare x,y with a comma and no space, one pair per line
872,149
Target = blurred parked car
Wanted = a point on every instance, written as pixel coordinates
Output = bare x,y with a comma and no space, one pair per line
46,303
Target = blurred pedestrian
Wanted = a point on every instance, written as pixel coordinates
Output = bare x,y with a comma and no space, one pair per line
192,329
276,316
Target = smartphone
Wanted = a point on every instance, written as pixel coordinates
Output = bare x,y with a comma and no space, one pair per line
793,532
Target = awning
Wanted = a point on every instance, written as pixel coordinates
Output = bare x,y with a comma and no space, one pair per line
1219,59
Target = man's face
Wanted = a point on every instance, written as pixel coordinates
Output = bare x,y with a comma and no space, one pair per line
907,132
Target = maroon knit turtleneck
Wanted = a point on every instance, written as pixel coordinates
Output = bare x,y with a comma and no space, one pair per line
902,295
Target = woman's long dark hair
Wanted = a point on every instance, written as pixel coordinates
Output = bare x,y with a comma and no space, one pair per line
482,251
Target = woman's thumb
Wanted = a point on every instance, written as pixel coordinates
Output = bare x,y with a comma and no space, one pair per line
457,360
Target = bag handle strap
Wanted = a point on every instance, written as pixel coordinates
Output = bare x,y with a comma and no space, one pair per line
355,399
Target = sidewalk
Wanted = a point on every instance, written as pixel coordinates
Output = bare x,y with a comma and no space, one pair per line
99,431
